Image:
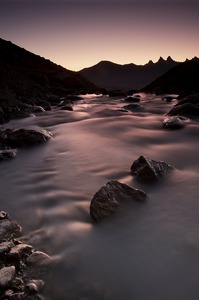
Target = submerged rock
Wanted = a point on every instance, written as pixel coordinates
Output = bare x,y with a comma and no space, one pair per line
174,122
107,200
149,170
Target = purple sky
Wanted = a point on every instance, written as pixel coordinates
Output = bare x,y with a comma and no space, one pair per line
78,33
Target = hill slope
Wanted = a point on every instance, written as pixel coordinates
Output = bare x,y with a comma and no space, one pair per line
182,79
109,75
26,75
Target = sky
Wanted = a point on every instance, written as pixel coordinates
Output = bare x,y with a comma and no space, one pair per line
79,33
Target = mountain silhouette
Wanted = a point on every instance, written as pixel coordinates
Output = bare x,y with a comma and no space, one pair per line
111,76
26,75
182,79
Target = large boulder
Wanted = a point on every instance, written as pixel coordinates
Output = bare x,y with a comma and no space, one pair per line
107,200
187,106
149,170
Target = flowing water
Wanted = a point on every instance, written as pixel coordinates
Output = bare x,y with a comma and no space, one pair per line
146,251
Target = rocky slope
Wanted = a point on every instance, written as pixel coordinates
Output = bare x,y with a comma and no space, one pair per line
182,79
25,75
111,76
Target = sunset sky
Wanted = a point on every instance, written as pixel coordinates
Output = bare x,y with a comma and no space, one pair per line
79,33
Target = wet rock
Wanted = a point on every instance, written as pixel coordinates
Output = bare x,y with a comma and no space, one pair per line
5,247
7,153
19,251
3,215
8,229
107,200
174,122
34,286
33,108
117,93
27,137
74,97
185,109
168,98
7,274
132,99
149,170
133,107
67,107
39,258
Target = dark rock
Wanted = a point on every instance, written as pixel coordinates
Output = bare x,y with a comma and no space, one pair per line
20,250
132,99
7,274
27,137
39,258
133,107
8,229
168,98
117,93
7,153
34,286
67,107
32,108
185,109
5,247
149,170
73,98
107,200
174,122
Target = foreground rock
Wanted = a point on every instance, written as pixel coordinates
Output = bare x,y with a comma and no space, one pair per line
132,99
22,269
108,199
149,170
174,122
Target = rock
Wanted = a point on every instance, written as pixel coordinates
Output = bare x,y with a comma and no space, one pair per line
133,107
168,98
185,109
5,247
174,122
7,274
8,229
34,286
73,97
19,251
7,153
3,215
107,200
67,107
39,258
33,108
27,137
132,99
117,93
149,170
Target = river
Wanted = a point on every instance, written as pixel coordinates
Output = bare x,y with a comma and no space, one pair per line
148,251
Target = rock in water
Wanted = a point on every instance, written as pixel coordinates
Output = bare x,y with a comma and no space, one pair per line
26,137
149,170
7,274
174,122
107,200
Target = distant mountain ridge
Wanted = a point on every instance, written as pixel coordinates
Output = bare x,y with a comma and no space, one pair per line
27,75
110,75
182,79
